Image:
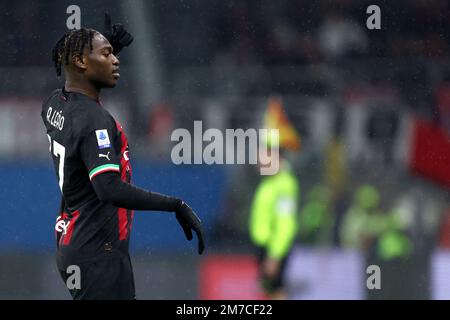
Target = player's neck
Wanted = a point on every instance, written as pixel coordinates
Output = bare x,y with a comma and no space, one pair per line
83,88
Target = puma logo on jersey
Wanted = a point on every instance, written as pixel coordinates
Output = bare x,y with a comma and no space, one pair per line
101,155
61,225
125,155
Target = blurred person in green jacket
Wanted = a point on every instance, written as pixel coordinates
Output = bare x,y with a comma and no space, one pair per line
364,220
394,241
365,224
316,221
274,212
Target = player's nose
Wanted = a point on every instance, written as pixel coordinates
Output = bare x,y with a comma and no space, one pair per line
116,60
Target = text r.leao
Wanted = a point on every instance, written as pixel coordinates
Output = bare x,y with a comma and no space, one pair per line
55,118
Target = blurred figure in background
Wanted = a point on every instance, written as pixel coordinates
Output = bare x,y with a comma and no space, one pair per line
273,217
316,223
394,241
393,251
363,221
336,175
366,226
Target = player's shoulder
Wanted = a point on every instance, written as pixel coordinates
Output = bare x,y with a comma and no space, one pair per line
91,116
54,94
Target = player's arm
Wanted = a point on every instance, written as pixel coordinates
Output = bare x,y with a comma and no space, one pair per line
102,163
116,34
110,188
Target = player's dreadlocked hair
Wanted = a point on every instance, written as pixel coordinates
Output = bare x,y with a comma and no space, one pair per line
70,45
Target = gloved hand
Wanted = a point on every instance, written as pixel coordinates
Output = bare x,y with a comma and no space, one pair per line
189,220
117,35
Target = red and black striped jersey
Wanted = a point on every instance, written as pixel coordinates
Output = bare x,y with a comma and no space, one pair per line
85,141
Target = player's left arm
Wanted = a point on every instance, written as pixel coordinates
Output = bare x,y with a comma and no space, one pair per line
111,189
103,165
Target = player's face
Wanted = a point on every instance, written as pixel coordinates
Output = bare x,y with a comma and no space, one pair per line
102,65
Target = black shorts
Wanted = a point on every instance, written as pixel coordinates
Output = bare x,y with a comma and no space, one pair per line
275,283
108,278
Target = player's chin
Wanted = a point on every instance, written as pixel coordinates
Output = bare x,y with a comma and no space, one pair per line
111,84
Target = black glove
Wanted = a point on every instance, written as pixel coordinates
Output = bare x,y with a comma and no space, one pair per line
117,35
189,220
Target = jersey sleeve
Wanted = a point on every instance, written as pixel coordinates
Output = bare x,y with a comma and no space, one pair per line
97,148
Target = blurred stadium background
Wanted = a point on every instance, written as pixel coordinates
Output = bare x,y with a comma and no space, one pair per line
372,108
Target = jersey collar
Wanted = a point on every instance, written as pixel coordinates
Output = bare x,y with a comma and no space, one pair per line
77,95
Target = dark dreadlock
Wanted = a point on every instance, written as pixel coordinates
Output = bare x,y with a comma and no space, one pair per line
70,45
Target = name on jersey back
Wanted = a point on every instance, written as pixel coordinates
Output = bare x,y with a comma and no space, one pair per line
55,118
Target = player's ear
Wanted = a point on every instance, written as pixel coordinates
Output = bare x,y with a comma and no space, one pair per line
79,62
